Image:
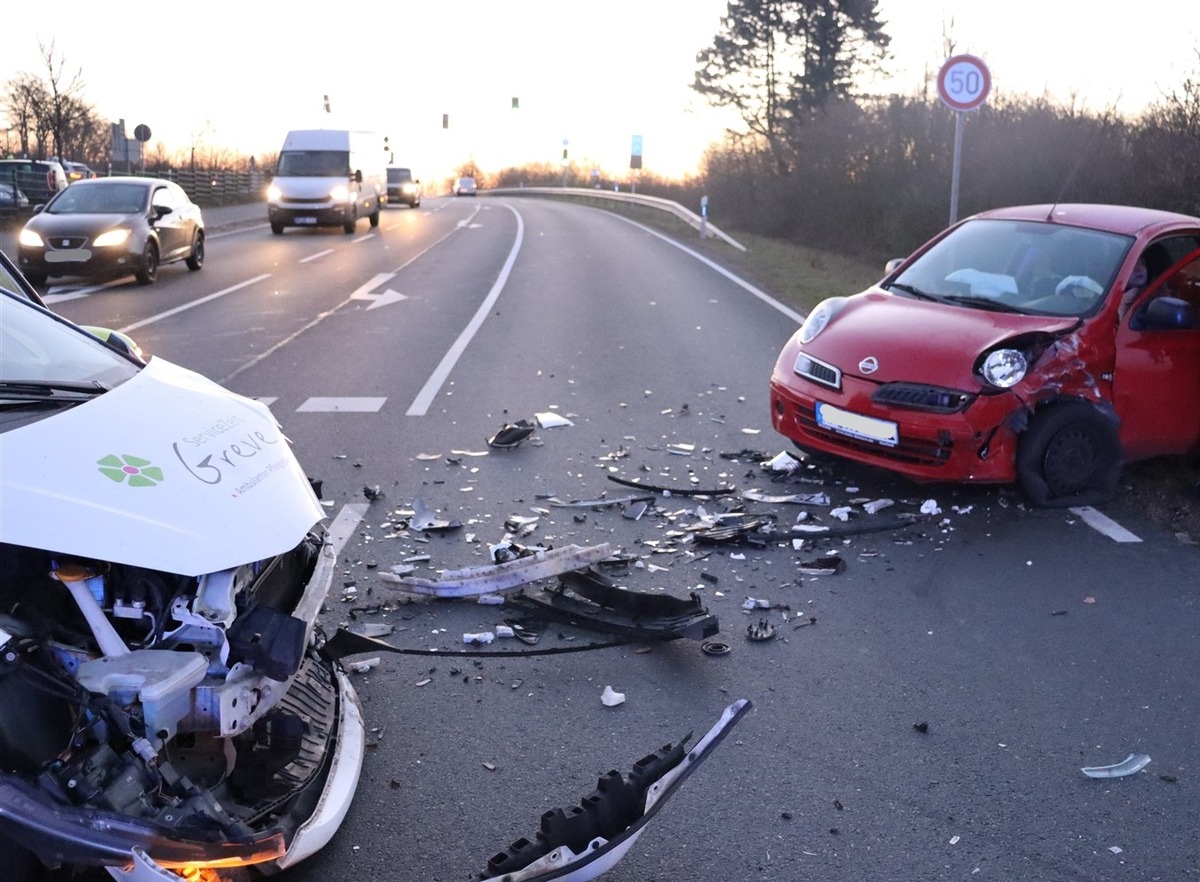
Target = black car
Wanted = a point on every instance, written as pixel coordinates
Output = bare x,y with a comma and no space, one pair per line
112,227
39,179
402,187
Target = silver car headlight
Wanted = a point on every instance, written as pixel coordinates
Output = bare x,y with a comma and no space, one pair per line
821,316
1004,368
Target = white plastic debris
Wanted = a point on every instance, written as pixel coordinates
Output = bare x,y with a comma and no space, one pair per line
1135,762
483,637
877,505
842,512
361,667
491,600
784,462
756,603
611,698
505,631
551,420
930,507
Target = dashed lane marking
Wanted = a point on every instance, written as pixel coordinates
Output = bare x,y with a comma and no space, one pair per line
346,404
1104,524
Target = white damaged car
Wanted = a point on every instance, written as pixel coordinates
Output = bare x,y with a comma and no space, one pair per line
169,706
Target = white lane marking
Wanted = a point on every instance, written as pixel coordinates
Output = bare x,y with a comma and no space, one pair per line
345,524
740,282
344,404
430,390
51,299
1104,524
224,381
382,299
186,306
316,256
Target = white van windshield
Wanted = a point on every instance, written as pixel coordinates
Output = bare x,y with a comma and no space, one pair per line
314,164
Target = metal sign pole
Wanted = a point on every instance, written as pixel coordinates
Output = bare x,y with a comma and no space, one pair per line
957,169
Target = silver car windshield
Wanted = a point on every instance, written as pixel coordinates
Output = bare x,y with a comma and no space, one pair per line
1018,266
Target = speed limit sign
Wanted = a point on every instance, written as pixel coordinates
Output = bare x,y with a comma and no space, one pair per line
964,82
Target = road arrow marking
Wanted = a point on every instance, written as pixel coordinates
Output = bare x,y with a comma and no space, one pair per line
382,299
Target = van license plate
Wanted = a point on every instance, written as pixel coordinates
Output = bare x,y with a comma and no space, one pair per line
306,220
856,425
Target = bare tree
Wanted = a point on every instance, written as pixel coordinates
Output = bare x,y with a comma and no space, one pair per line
24,95
64,99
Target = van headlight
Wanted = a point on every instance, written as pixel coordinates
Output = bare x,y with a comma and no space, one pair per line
274,193
1004,368
821,316
340,193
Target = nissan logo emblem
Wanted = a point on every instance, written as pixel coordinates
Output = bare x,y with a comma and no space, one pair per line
869,365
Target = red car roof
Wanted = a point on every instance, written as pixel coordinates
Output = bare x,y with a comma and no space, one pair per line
1124,219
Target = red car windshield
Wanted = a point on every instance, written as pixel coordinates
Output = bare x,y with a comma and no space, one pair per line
1018,266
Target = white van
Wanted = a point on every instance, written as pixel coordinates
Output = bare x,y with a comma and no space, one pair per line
327,178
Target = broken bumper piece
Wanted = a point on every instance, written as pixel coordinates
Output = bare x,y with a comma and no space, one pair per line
591,600
580,843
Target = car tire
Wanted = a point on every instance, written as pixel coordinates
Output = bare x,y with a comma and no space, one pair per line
1069,455
374,218
277,229
348,226
195,258
148,271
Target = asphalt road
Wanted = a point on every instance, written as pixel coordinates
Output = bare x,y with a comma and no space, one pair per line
1025,643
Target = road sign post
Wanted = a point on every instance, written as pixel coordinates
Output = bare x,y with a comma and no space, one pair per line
963,84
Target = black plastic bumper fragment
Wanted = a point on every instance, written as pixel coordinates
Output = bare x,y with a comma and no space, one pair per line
592,600
598,829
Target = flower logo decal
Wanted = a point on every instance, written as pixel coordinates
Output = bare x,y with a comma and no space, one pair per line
136,470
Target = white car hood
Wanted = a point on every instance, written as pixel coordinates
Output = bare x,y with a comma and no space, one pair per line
168,471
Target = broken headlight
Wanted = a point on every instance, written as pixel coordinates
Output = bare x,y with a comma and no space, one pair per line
1004,368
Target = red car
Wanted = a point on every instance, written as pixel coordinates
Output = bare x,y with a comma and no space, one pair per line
1044,344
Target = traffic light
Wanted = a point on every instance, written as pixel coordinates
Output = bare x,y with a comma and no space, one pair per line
516,104
327,104
445,120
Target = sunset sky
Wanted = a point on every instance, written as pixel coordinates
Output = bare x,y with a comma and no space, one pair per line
592,74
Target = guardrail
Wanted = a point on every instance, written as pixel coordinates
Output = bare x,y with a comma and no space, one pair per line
690,218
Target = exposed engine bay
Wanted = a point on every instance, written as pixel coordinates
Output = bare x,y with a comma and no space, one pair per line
181,710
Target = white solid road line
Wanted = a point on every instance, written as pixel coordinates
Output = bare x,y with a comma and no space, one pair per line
429,391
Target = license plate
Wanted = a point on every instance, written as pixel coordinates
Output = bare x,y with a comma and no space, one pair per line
856,425
68,255
306,220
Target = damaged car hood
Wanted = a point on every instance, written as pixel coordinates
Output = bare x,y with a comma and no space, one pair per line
168,471
920,341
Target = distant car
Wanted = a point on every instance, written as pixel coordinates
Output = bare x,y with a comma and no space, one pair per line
108,227
12,200
39,179
466,187
1043,344
402,187
76,171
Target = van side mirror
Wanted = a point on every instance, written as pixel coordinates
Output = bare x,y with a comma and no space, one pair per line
358,176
